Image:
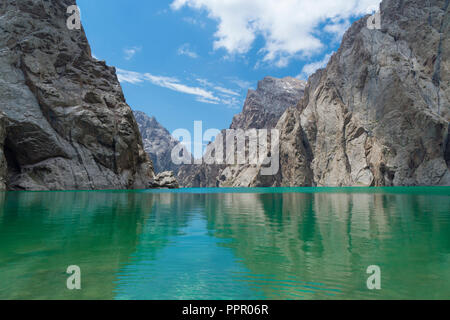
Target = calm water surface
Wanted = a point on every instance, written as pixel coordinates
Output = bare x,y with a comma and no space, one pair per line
226,244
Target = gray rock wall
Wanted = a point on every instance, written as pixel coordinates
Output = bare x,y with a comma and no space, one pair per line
3,166
158,143
262,109
69,126
378,115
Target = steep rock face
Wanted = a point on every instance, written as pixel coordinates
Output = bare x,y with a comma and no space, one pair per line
293,145
264,106
378,115
3,166
158,142
262,109
68,126
166,180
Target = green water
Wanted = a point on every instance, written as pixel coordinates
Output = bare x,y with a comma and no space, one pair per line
226,244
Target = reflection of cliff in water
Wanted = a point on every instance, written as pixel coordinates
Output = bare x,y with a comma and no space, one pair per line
308,244
47,232
234,246
192,264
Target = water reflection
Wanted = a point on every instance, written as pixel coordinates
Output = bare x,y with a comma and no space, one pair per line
41,234
330,239
143,245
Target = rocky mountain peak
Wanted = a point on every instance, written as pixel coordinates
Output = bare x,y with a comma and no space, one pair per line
378,114
275,86
158,142
265,105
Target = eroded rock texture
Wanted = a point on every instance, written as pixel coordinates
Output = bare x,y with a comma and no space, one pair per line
264,106
378,115
166,180
67,123
2,153
262,109
158,142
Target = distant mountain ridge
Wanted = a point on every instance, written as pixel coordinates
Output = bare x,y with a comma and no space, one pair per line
262,109
158,142
377,115
264,106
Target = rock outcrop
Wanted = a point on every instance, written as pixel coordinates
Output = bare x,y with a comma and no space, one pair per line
158,142
166,180
264,106
67,123
378,115
262,109
3,166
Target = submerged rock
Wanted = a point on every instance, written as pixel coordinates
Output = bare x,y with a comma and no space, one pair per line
68,125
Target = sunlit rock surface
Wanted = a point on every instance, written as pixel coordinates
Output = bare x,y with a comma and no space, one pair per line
262,109
378,115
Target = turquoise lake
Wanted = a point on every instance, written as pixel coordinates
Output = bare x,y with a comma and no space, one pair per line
295,243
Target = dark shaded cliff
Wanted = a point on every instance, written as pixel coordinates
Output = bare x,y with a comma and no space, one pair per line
377,115
67,124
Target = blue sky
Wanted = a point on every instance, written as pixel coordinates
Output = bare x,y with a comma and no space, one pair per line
188,60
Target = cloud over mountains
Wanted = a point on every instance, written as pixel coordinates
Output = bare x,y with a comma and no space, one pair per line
289,27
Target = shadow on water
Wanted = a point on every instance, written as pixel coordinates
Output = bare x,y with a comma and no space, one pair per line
146,245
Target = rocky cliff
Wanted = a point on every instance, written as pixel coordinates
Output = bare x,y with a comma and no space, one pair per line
262,109
158,142
66,123
378,115
264,106
3,169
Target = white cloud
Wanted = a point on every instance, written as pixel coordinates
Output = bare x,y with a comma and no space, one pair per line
226,91
194,22
310,68
204,82
244,85
130,52
290,28
206,93
338,29
233,103
228,97
132,77
185,50
174,84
